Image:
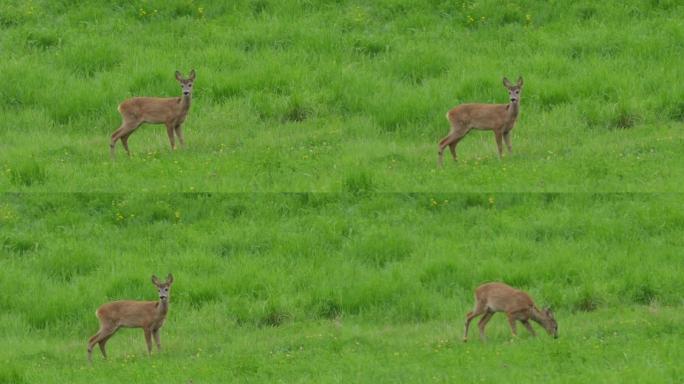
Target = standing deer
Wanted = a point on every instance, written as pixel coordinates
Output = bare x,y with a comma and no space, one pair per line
499,118
148,315
518,305
170,111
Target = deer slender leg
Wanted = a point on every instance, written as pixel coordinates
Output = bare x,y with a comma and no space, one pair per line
155,333
103,343
125,130
507,139
169,132
103,333
527,325
499,142
124,141
148,340
451,140
511,322
179,133
479,309
483,323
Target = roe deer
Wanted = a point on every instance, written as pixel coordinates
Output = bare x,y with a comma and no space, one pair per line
518,305
148,315
499,118
170,111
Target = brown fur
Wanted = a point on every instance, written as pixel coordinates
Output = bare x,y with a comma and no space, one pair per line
148,315
518,305
170,111
499,118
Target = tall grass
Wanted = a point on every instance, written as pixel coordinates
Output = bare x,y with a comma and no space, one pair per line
314,96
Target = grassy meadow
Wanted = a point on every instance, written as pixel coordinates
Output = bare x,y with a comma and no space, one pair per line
337,288
345,96
311,235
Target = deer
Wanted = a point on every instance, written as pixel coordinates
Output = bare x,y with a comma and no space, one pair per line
148,315
499,118
170,111
518,306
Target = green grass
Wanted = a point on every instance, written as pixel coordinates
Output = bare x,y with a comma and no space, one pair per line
311,235
342,287
345,96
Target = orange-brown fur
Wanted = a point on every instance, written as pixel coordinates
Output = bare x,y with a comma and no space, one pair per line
518,306
148,315
170,111
499,118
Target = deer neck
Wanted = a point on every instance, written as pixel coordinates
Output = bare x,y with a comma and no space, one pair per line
513,109
162,308
538,316
185,102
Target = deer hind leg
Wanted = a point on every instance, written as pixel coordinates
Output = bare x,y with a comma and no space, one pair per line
169,132
179,134
102,343
103,334
127,127
479,310
483,323
450,140
124,142
507,139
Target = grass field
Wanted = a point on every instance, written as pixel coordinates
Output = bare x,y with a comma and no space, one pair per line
336,288
342,96
311,235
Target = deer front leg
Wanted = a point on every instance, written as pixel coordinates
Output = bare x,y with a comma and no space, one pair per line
499,142
511,322
169,132
155,333
148,340
527,325
179,133
507,139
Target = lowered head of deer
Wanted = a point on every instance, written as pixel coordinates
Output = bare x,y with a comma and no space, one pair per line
546,319
186,83
516,304
148,315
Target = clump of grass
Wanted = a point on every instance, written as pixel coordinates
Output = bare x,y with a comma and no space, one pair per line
19,245
380,249
85,58
359,183
27,174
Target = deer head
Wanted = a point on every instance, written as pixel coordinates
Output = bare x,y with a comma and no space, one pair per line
186,83
513,90
164,288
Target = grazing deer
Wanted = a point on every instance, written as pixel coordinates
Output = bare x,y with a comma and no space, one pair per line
148,315
518,305
499,118
170,111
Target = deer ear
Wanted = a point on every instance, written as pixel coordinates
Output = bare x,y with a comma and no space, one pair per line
520,81
169,279
507,82
192,75
155,280
179,76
